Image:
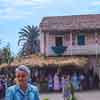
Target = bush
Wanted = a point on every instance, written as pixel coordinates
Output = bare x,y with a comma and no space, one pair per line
74,98
45,99
73,92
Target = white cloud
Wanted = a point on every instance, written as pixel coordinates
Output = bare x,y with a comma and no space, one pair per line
96,3
22,2
33,3
15,15
16,9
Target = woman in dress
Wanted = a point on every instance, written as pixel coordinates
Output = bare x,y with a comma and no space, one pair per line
56,83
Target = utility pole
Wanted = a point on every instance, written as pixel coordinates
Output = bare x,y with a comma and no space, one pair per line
71,39
96,38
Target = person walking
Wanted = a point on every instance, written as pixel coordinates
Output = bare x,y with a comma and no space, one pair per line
50,83
2,87
67,88
22,90
56,83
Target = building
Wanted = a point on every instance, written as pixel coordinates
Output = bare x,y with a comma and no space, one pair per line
77,35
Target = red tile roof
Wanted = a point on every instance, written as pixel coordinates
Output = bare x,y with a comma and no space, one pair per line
74,22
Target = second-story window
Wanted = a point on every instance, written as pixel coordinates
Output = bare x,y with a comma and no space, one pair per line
81,39
59,41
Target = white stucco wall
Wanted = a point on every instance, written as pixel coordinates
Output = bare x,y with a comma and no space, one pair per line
50,43
41,42
89,48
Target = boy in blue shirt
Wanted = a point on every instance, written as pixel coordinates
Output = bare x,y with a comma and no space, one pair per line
22,90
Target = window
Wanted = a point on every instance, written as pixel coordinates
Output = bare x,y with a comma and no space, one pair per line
59,41
81,39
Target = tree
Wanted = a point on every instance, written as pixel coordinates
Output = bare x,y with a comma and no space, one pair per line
0,54
7,55
28,37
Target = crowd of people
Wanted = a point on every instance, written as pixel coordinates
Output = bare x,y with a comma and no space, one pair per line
2,86
80,80
56,82
21,88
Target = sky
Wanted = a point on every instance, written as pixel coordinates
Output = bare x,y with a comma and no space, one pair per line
15,14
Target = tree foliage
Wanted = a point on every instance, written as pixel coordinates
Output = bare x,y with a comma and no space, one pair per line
28,39
7,55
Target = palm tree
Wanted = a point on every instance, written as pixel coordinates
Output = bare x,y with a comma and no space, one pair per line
28,39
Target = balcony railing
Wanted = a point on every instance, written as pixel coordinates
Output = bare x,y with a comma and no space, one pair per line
75,50
59,50
83,50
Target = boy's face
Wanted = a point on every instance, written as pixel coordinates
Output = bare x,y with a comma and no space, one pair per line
21,77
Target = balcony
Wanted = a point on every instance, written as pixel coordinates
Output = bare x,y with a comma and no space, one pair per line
83,50
59,50
74,50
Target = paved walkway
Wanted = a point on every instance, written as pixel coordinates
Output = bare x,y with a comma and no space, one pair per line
92,95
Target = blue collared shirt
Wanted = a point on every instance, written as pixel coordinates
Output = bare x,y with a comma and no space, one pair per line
15,93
